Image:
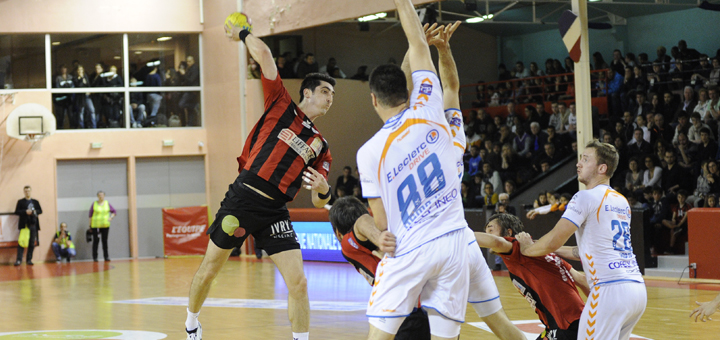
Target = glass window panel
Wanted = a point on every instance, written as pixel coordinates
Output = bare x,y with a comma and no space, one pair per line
100,55
165,109
175,57
89,110
22,61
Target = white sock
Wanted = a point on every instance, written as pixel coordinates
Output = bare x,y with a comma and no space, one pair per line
192,320
301,336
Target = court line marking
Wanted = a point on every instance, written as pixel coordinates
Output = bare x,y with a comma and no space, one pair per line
331,306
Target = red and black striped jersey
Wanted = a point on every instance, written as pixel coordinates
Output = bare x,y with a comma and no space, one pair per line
547,284
281,145
360,255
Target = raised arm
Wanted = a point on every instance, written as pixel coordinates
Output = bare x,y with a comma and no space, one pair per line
440,38
549,243
496,243
419,53
257,49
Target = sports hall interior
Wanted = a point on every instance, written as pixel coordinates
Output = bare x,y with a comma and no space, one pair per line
143,170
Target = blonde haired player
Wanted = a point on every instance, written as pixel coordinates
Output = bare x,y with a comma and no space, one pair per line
600,218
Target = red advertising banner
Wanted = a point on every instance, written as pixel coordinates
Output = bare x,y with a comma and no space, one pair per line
184,230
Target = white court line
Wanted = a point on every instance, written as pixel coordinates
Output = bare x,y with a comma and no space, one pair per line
332,306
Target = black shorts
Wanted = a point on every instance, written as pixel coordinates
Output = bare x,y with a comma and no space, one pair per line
244,212
415,327
561,334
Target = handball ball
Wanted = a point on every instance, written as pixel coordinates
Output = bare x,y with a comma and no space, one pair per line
238,19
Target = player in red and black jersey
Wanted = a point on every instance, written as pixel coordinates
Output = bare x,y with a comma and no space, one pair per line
283,150
548,283
358,237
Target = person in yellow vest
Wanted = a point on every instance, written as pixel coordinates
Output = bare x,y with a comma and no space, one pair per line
62,244
101,213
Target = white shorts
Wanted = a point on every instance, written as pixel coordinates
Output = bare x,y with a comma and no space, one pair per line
612,310
436,272
483,293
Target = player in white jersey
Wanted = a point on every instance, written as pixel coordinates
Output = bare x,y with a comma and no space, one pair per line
408,171
483,294
600,218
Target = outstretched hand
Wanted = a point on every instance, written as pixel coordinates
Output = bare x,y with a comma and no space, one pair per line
704,311
440,35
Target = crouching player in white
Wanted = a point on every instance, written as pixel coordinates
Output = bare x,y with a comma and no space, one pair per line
600,219
408,171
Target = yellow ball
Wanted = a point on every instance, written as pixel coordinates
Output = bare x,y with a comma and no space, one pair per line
238,19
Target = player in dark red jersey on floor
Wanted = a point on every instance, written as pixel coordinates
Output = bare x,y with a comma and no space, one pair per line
548,283
358,237
283,150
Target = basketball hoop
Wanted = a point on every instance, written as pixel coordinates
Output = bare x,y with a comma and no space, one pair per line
34,137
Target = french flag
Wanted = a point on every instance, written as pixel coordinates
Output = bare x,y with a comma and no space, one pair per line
570,32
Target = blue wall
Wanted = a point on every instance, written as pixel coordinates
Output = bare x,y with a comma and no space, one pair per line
642,34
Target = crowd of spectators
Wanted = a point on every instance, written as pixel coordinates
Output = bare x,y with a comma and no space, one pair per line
148,109
662,118
289,67
506,152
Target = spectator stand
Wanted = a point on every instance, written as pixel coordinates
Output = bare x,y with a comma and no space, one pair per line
528,95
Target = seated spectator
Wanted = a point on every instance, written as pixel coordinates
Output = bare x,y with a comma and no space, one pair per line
307,66
697,125
712,201
714,106
537,140
137,116
564,115
491,197
503,205
284,67
663,58
506,135
62,244
489,175
640,106
543,116
614,90
361,74
714,78
521,71
701,75
509,187
707,148
682,127
618,62
332,67
357,192
702,105
713,177
522,143
545,166
494,156
556,203
475,161
551,156
535,71
660,130
678,223
688,103
686,152
674,176
503,73
653,174
509,165
669,107
680,76
477,189
634,177
346,181
541,200
661,212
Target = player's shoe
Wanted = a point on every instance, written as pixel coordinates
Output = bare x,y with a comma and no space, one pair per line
195,334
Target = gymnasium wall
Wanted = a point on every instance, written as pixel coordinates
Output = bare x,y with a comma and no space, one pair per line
642,34
475,52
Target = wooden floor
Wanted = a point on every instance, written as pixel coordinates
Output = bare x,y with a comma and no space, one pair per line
111,300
